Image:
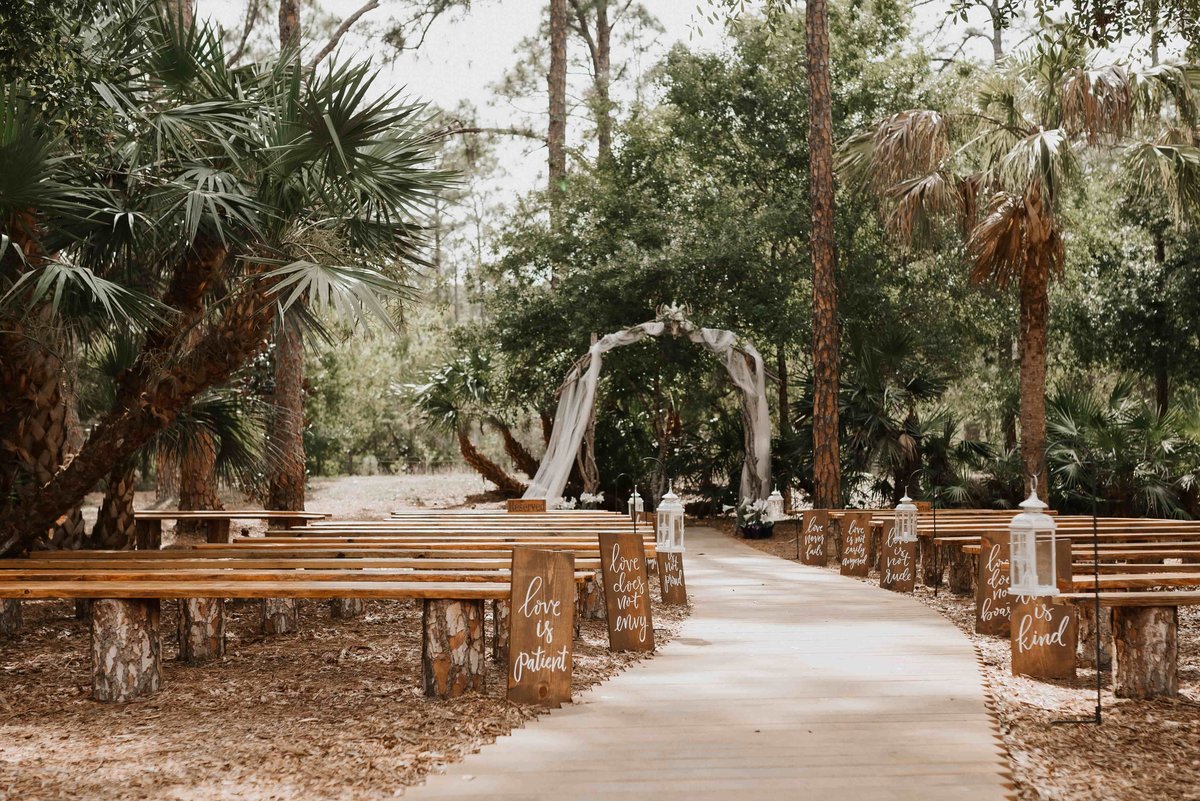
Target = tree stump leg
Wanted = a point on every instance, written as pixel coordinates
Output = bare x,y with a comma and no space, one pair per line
961,572
590,605
452,647
201,629
10,618
346,608
280,616
1088,630
126,649
1145,664
148,534
500,612
83,608
931,567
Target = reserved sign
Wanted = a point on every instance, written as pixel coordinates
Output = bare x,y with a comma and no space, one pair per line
670,578
814,526
526,505
855,526
626,592
541,626
897,561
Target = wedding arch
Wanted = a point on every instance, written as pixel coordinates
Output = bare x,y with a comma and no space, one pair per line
577,400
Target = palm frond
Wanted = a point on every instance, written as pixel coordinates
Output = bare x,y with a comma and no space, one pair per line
66,287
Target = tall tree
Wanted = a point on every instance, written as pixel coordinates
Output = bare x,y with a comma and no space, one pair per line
825,357
556,84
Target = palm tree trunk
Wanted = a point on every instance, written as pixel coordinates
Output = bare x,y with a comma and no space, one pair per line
289,22
114,529
286,435
485,467
826,464
198,480
1035,311
516,450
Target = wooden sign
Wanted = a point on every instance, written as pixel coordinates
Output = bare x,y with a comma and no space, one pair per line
897,561
541,626
923,506
993,604
670,578
526,506
626,592
1043,638
814,525
855,529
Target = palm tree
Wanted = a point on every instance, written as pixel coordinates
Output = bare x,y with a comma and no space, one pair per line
226,197
1001,167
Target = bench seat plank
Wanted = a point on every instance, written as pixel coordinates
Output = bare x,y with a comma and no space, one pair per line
427,590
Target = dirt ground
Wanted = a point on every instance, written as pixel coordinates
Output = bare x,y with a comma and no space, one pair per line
333,712
1143,750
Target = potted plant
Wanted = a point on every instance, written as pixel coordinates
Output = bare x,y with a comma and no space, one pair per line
752,520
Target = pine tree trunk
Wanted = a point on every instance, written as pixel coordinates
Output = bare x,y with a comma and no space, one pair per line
115,527
602,65
289,22
452,647
346,608
126,649
556,84
280,615
201,629
10,618
826,463
486,467
1145,664
286,438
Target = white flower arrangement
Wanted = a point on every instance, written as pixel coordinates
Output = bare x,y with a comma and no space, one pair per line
752,513
565,503
589,499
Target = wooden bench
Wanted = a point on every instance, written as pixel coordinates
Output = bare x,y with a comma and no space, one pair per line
1145,638
148,522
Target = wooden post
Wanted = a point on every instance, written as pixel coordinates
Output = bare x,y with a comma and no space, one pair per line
501,610
280,615
201,629
1145,664
148,534
671,585
962,570
10,618
540,647
346,608
452,647
126,649
854,528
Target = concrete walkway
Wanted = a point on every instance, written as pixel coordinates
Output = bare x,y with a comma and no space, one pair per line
787,682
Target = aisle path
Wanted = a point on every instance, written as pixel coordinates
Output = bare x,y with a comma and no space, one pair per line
787,682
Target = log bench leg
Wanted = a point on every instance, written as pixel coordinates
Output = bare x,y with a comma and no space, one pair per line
201,629
931,567
500,612
280,616
589,604
1088,630
452,647
10,618
217,531
1145,664
148,535
346,608
961,572
126,649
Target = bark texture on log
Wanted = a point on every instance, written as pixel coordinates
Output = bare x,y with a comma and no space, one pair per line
1145,664
280,616
452,660
346,608
10,618
1086,649
126,649
501,611
201,629
590,605
961,572
931,565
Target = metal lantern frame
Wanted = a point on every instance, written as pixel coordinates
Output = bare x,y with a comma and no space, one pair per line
668,531
906,520
1032,540
775,511
636,504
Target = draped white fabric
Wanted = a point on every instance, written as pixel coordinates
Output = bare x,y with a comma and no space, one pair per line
578,398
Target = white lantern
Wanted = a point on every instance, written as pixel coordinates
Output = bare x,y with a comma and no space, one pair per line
636,505
1031,540
906,520
669,534
775,506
